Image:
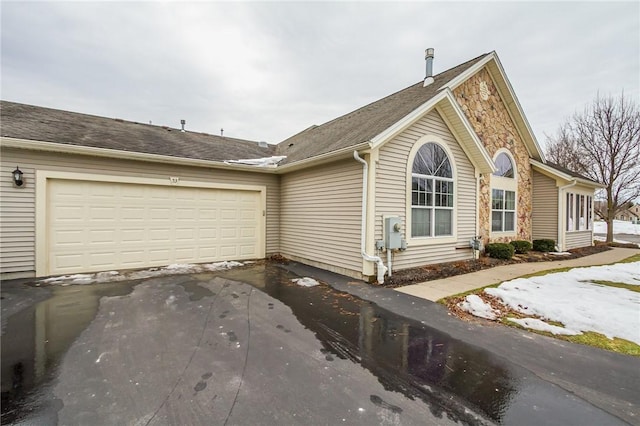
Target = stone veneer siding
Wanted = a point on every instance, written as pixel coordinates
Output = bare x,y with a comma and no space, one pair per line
492,123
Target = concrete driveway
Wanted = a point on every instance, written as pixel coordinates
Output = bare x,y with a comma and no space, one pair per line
248,346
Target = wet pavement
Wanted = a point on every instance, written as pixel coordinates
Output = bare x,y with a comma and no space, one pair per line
248,346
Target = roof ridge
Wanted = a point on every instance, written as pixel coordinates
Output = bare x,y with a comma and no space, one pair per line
122,120
381,100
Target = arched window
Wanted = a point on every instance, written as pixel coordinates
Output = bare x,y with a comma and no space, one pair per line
431,192
503,195
504,165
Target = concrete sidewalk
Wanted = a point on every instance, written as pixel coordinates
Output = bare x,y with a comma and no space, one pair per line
437,289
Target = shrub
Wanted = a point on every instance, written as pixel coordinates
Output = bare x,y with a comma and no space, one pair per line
521,246
544,245
500,250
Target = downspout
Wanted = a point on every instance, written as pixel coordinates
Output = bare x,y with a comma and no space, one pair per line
381,269
561,219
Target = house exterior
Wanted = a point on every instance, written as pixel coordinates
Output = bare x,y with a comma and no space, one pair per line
405,181
632,214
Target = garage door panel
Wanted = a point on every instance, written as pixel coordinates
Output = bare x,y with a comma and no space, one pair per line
248,250
101,236
94,226
105,260
160,235
132,235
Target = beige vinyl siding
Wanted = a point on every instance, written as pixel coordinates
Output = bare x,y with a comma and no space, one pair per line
20,233
391,194
544,214
577,239
17,219
320,216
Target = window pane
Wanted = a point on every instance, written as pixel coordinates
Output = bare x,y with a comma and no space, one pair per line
420,222
443,222
432,160
582,221
509,200
497,199
569,212
504,166
509,221
430,165
496,221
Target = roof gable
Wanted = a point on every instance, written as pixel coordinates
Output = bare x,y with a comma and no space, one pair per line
492,63
364,124
562,174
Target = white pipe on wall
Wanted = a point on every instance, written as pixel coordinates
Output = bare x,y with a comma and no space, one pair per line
381,269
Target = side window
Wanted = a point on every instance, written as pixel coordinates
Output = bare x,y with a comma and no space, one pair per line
504,165
503,210
431,192
503,195
579,210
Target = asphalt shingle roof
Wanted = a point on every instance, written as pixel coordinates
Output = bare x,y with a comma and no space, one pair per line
569,172
52,125
367,122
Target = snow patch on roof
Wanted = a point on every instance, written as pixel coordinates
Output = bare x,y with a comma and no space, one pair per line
260,162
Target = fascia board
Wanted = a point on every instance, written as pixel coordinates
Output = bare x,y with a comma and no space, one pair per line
444,96
323,158
487,165
125,155
557,174
453,83
396,128
526,133
529,132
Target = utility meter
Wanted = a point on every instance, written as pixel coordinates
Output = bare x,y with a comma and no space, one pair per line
392,233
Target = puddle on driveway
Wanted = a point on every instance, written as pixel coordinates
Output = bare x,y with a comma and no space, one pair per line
405,355
36,338
454,379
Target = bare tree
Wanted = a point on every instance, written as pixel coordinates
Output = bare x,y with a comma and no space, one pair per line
562,149
603,143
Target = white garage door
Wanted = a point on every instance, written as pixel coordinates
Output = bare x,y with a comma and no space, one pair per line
97,226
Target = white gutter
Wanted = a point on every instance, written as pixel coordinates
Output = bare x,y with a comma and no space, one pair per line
381,269
560,216
8,142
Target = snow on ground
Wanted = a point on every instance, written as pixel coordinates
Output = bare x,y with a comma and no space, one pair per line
306,282
536,324
476,306
573,299
113,276
619,227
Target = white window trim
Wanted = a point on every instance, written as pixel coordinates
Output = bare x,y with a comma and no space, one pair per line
505,184
575,194
423,241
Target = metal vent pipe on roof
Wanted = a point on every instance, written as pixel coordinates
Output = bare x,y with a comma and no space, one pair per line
428,57
182,123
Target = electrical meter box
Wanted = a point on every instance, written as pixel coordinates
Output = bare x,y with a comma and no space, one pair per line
392,234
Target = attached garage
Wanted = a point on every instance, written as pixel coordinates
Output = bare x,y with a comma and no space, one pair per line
88,223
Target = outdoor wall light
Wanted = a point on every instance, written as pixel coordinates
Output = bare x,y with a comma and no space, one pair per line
17,177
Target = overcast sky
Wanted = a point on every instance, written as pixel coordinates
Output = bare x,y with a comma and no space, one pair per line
265,71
